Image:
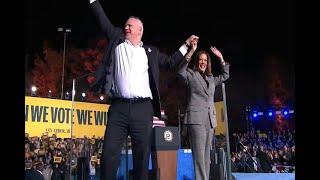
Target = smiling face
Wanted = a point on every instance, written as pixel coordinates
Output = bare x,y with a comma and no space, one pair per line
133,30
202,63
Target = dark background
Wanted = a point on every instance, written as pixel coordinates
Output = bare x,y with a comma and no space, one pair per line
256,37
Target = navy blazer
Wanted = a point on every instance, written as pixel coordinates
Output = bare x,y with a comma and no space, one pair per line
103,76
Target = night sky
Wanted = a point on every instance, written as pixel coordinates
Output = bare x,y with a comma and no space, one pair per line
251,35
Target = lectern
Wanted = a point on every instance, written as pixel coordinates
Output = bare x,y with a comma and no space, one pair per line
164,151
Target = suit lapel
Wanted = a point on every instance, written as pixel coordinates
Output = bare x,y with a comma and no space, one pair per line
202,82
149,54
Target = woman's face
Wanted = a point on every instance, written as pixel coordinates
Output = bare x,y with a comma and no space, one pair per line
202,63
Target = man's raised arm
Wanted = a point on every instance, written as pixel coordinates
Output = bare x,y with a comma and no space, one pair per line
103,21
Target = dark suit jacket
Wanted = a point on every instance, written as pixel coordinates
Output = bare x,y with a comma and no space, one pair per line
265,162
251,165
115,36
28,174
33,175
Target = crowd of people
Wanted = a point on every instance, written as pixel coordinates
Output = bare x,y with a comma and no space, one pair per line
257,151
58,158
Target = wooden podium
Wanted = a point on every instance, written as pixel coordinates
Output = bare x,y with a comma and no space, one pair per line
164,152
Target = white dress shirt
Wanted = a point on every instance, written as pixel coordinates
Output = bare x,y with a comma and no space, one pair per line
255,167
131,77
92,169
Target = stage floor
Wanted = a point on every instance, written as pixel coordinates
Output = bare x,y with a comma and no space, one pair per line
264,176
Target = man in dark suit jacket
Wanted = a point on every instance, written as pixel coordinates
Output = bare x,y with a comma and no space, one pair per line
29,171
31,174
129,75
254,163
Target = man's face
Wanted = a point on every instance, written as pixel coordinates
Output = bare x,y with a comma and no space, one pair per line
133,29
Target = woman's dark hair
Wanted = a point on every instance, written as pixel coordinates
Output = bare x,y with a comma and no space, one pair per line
196,63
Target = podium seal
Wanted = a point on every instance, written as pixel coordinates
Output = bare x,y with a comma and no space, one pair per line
168,136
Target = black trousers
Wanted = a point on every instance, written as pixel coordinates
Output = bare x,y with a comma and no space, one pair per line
125,118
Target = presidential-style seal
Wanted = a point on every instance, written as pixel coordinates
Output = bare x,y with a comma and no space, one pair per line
168,136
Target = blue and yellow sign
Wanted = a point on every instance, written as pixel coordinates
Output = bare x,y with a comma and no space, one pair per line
55,116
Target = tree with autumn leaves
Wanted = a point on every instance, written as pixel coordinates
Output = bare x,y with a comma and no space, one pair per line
277,90
47,71
46,74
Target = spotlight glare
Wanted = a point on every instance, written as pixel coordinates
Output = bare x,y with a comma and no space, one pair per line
33,88
67,95
49,94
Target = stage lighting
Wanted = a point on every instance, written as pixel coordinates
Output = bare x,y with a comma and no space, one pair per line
270,113
287,112
83,96
64,31
278,112
33,91
103,99
67,95
68,30
260,113
49,94
255,114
